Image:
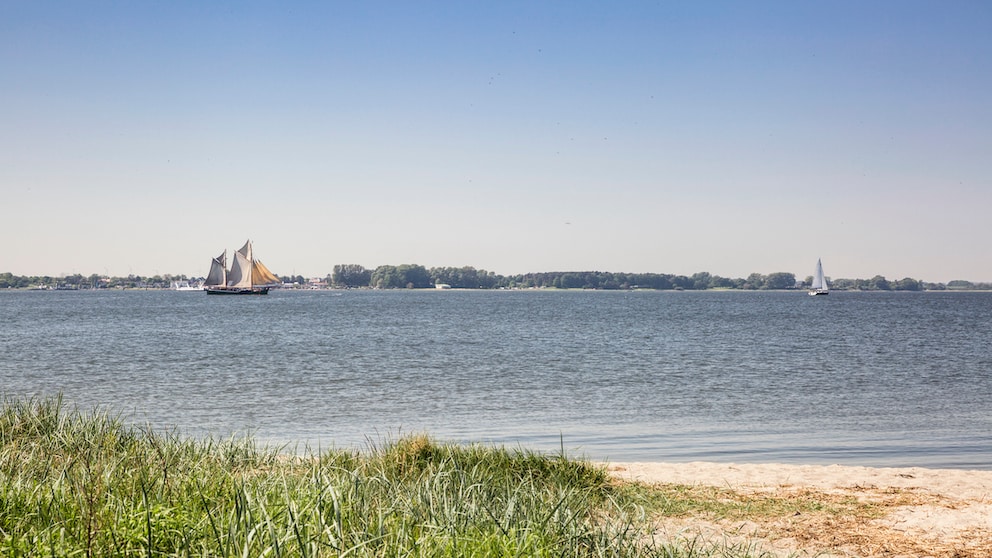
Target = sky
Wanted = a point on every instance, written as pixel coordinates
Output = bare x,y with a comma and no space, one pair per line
515,136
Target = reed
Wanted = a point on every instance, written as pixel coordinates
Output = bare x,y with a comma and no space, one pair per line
88,484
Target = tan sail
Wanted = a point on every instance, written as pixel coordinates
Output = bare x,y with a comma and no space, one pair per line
260,275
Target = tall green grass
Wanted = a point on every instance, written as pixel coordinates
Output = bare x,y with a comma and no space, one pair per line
87,484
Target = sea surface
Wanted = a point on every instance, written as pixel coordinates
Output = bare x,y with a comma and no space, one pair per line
879,379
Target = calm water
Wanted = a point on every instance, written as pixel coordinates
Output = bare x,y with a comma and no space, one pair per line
884,379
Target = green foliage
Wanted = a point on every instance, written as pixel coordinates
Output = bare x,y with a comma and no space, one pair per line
879,283
405,276
351,276
780,280
86,484
907,284
464,277
754,281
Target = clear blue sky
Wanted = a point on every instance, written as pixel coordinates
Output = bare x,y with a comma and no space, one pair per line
669,137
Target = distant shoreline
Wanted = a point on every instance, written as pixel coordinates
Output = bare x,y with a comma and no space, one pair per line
443,278
514,289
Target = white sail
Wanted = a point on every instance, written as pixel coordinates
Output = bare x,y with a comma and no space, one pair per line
218,271
240,275
246,250
819,281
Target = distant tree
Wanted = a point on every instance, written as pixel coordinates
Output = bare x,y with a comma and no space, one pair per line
405,276
701,280
754,281
571,281
386,277
780,280
717,282
351,275
907,284
681,282
458,277
879,283
655,281
463,277
415,276
488,279
838,284
10,281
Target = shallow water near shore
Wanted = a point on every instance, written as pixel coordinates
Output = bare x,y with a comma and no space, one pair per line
879,379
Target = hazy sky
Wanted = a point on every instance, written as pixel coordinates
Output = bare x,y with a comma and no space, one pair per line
668,137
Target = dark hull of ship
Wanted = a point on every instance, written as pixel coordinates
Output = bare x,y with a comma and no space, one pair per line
236,291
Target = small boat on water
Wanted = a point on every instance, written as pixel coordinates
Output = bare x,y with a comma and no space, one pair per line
184,286
819,286
247,275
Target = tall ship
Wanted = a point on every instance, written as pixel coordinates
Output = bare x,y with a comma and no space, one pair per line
247,275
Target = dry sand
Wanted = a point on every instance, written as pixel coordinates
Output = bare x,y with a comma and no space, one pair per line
911,512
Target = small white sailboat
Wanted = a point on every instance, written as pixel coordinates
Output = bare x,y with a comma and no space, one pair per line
247,275
819,286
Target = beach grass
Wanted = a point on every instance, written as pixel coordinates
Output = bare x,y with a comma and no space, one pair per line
76,483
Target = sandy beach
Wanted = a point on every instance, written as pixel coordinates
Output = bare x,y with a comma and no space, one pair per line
868,512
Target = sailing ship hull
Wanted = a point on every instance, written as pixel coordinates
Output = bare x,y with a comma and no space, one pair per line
818,292
233,291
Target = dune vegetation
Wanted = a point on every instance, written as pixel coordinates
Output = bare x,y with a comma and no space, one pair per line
76,483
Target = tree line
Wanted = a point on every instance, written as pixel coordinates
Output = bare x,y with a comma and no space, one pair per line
94,281
412,276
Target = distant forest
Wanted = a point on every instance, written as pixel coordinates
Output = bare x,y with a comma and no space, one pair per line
419,277
412,276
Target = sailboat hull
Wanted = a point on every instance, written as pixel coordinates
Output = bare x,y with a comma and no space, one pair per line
233,291
818,293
